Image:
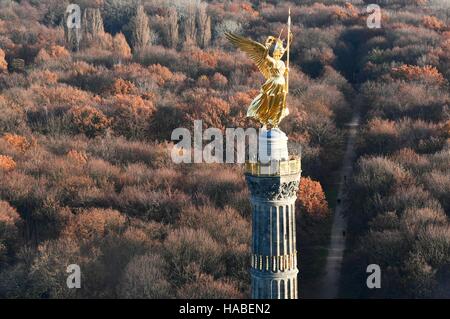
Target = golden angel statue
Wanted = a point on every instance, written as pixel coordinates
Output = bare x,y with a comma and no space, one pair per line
269,107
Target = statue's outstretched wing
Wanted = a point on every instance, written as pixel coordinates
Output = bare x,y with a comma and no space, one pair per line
255,50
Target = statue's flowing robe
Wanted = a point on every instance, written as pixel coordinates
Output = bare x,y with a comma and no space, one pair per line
269,107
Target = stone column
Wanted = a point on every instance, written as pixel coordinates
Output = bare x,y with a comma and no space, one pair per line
273,188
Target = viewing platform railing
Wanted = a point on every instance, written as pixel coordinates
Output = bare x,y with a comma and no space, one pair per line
273,168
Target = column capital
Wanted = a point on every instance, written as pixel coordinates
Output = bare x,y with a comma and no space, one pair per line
274,188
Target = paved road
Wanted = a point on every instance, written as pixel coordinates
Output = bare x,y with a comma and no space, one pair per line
330,282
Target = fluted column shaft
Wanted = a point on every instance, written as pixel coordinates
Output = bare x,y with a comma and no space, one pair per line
274,255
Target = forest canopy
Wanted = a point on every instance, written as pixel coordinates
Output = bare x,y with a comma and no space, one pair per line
86,117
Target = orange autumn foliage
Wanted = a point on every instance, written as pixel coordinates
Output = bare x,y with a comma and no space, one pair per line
447,129
379,126
82,68
133,102
42,56
122,50
18,142
121,86
218,80
202,58
243,99
3,64
44,77
61,96
131,114
94,223
312,199
247,7
340,14
353,11
7,163
212,110
9,218
428,73
58,52
89,120
78,157
433,23
54,52
160,73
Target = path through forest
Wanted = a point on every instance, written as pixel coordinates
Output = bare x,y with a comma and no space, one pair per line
330,282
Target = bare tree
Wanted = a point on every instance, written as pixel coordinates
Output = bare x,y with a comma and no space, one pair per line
172,28
189,25
204,26
121,48
140,29
92,25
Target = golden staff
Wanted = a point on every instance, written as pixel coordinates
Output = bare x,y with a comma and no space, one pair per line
288,50
288,61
